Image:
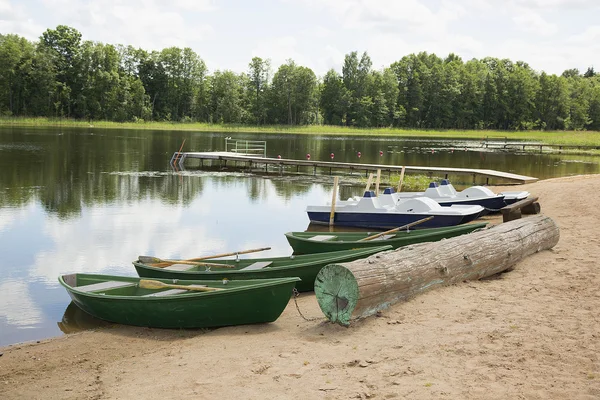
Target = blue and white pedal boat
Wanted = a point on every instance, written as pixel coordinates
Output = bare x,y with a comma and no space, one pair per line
378,212
446,195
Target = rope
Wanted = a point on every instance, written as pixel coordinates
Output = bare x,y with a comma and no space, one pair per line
296,294
492,209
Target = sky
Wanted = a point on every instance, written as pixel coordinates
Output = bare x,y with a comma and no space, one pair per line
550,35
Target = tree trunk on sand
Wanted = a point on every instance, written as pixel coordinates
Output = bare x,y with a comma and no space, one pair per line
363,287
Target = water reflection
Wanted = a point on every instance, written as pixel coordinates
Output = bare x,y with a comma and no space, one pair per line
17,307
76,320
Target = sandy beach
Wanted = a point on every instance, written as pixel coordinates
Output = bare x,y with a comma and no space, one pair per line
531,333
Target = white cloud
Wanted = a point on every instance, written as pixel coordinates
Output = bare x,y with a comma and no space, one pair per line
558,4
385,49
194,5
530,21
279,50
393,16
317,32
14,19
6,9
150,24
589,37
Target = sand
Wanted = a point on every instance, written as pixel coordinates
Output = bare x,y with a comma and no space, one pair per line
531,333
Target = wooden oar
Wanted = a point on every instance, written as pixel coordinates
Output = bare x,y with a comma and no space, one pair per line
158,262
166,264
333,198
401,179
369,182
396,229
233,253
377,183
151,284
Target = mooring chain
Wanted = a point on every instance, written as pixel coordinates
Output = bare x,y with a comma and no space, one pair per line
296,294
491,209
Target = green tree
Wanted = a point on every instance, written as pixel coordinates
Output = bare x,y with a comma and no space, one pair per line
226,97
580,93
551,102
258,74
522,86
63,44
355,75
16,58
294,91
594,109
333,99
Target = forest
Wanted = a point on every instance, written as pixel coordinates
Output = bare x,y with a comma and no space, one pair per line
62,76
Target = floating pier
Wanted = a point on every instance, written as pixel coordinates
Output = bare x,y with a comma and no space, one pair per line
252,161
507,145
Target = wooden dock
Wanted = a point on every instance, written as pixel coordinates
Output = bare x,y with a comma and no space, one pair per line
251,161
508,145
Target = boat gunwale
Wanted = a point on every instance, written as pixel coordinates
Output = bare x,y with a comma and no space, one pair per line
360,251
260,283
419,232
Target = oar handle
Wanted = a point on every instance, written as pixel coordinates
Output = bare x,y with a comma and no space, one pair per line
160,263
233,253
396,229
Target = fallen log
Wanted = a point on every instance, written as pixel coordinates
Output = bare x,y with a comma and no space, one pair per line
361,288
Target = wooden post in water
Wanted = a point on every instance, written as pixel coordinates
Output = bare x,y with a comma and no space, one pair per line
361,288
401,178
333,198
369,182
377,182
179,152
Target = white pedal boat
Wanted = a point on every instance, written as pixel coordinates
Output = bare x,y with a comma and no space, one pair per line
385,213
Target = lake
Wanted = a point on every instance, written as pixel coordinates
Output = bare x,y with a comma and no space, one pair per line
92,200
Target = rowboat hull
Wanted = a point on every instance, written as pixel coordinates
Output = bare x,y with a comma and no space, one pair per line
306,267
240,302
302,242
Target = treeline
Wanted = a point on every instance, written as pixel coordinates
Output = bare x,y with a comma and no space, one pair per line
63,76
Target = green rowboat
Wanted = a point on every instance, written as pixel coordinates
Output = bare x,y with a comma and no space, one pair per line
125,300
315,242
306,267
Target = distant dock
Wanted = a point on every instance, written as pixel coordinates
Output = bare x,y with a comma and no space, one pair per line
512,145
253,161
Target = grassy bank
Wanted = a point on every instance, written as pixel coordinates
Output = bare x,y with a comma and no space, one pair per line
556,137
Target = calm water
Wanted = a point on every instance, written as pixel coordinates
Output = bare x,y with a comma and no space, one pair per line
91,200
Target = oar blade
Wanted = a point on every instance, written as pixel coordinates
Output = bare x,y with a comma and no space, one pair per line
151,284
154,285
149,260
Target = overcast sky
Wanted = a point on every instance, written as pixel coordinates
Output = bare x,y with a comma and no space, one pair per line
550,35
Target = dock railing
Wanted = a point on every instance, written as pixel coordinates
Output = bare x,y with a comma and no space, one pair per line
249,147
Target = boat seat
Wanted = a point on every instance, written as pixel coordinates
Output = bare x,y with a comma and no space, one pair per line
170,292
94,287
322,238
384,237
179,267
257,265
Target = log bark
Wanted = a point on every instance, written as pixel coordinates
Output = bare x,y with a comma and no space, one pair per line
361,288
